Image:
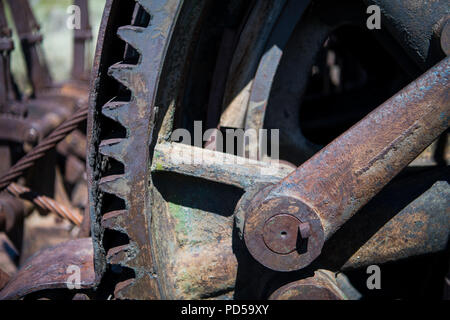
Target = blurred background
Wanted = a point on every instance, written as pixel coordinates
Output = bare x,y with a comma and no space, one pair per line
38,108
58,39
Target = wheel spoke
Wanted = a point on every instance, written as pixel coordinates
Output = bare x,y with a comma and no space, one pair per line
216,166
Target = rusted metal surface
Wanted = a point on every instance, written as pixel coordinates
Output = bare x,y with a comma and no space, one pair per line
92,132
423,227
132,186
219,167
280,87
302,252
413,23
161,235
268,65
24,121
282,233
408,218
50,269
322,286
195,248
250,47
182,232
445,37
334,184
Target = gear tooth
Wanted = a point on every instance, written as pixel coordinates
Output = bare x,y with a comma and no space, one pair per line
115,184
123,73
113,148
118,111
115,220
132,35
151,44
120,255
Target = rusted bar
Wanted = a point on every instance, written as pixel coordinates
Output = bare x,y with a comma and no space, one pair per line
18,129
421,228
81,36
388,229
230,171
45,203
51,269
333,185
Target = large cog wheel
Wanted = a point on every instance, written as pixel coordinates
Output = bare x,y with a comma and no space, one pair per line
164,226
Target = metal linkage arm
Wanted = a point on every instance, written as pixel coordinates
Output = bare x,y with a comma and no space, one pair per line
288,223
